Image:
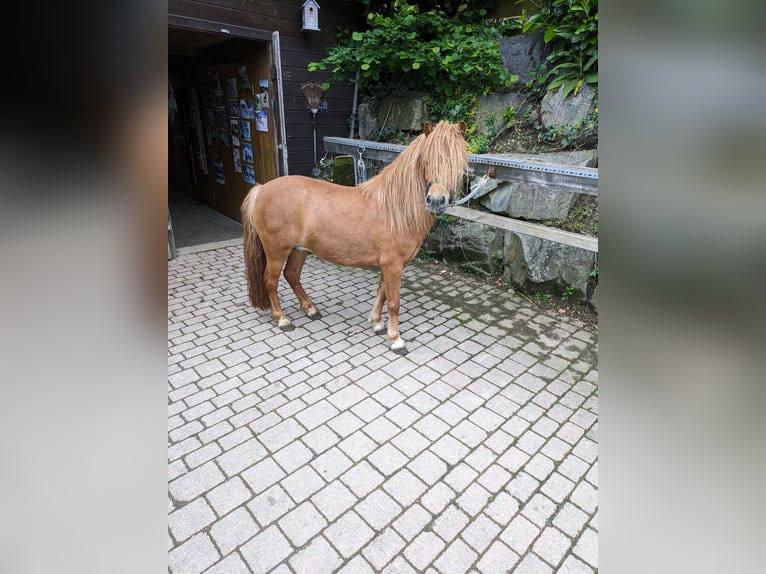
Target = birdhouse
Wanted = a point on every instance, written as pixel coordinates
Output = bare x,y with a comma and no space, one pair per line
310,15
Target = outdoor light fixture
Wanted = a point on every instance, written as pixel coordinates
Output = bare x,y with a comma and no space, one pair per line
310,15
313,93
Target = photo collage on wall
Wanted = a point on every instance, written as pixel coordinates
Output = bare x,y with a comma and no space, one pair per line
234,109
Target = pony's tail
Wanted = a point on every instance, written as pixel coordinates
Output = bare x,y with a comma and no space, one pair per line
255,257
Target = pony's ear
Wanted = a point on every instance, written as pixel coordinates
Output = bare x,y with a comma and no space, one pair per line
427,128
462,128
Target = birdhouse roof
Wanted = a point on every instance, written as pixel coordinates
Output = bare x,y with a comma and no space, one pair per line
310,3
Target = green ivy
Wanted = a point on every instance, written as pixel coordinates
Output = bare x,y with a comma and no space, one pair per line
445,52
570,29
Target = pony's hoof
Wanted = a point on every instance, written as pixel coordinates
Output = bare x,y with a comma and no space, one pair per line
398,347
379,329
285,325
314,316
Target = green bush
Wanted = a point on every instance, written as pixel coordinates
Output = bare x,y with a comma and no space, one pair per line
448,51
570,29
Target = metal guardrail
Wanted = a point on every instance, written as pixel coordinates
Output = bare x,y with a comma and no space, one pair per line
569,178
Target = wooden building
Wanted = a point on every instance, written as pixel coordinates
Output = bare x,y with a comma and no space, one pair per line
236,109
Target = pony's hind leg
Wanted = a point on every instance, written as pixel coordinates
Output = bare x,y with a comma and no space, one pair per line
293,269
271,282
378,326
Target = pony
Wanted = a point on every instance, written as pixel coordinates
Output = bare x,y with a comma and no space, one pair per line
380,223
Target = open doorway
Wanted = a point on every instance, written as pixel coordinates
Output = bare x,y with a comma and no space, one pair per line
222,132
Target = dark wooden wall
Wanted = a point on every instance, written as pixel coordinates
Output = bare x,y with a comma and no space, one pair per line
298,49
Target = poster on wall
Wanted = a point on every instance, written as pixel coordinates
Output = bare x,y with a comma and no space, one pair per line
235,132
223,136
237,160
218,169
262,121
244,130
247,109
263,94
244,79
231,88
233,106
247,153
249,174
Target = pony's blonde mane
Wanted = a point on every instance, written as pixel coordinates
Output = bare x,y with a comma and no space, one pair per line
400,189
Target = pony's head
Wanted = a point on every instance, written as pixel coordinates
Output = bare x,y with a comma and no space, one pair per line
444,161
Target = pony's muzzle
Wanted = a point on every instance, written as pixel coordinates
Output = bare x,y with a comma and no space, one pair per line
436,204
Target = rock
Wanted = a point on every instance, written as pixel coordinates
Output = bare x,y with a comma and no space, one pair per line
404,112
491,109
594,300
557,111
368,124
537,202
472,246
497,201
531,260
522,54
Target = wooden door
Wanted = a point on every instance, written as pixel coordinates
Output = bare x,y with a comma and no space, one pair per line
239,127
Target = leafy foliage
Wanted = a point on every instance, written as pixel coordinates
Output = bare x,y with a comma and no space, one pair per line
447,51
570,29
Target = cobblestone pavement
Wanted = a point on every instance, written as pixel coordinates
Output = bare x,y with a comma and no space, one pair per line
320,450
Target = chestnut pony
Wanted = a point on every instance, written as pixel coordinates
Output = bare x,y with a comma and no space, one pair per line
380,223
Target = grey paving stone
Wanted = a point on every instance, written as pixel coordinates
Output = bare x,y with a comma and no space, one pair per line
293,456
270,505
498,559
539,509
331,464
412,521
317,558
358,565
552,546
404,487
302,483
423,549
320,439
437,497
399,566
502,507
427,467
410,442
456,559
233,529
357,446
241,456
450,449
266,550
378,509
585,496
334,499
573,565
431,426
480,533
193,556
368,409
232,564
195,482
494,478
586,547
519,534
381,430
387,459
450,522
262,475
474,499
383,548
531,564
190,519
348,533
302,523
557,487
362,478
317,414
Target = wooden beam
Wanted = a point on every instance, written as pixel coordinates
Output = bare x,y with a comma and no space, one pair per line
526,228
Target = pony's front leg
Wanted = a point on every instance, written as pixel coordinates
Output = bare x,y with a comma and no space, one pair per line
392,277
292,273
378,326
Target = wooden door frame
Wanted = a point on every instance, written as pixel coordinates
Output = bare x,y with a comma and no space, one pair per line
270,38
